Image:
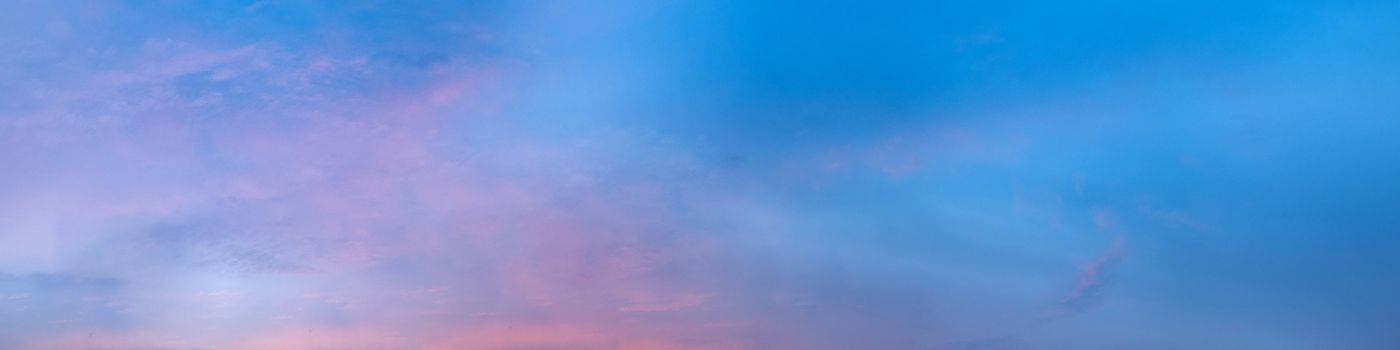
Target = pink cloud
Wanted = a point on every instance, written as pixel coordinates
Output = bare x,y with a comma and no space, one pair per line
1091,276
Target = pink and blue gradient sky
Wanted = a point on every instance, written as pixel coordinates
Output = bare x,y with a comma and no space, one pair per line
685,175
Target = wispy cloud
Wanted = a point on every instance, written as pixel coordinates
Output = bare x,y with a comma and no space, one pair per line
639,175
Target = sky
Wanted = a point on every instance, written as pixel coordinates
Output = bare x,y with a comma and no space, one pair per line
699,175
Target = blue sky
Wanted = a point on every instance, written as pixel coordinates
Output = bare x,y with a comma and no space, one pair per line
699,175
